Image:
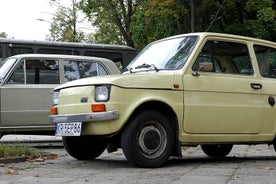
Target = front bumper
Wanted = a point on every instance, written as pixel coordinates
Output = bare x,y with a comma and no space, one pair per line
84,117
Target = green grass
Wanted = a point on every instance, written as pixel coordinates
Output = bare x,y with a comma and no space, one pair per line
14,150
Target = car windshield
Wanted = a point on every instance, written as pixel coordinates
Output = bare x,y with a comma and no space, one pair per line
5,66
170,54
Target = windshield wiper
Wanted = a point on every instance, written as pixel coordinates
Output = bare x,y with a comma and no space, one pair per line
128,69
147,66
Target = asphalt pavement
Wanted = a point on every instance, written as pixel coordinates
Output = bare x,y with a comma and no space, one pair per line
245,164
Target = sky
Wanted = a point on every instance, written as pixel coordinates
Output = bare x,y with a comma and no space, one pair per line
18,18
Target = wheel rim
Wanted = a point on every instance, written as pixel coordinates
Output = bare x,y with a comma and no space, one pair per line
152,140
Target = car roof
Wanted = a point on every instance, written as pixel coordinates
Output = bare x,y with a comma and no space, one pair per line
109,64
58,56
67,44
222,35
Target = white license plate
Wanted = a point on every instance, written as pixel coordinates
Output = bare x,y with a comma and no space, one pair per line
68,129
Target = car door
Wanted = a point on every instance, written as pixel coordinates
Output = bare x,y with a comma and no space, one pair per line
223,94
25,97
266,58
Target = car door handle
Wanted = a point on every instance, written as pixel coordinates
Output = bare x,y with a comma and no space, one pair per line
256,86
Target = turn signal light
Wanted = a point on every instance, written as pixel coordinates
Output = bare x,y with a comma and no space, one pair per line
97,107
53,110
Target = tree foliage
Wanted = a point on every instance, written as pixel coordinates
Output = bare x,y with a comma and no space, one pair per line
156,19
3,35
112,18
139,22
64,26
248,17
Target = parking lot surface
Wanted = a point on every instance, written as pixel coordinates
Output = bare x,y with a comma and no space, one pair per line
245,164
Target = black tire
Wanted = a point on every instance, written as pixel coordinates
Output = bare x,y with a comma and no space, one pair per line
217,150
148,139
84,148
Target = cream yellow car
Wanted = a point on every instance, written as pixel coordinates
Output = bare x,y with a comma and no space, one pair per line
208,89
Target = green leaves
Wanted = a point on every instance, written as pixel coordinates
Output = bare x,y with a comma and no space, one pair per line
64,26
139,22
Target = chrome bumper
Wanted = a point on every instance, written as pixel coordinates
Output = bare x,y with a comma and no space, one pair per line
84,117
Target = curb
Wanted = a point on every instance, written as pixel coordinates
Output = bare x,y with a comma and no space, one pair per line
39,158
8,160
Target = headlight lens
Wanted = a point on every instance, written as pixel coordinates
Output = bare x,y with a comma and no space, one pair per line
55,97
102,93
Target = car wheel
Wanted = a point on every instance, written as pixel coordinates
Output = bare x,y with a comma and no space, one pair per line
84,148
148,140
218,150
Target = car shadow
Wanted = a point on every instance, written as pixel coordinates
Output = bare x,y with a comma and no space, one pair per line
210,160
183,161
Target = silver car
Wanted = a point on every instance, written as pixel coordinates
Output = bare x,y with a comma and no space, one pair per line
26,81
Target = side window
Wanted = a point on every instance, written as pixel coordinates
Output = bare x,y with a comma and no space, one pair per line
20,50
35,71
58,51
80,69
266,57
207,64
224,57
42,72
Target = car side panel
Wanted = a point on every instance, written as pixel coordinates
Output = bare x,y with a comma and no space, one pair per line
269,96
222,104
25,104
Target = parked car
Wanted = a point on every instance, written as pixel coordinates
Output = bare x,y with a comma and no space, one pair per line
26,84
208,89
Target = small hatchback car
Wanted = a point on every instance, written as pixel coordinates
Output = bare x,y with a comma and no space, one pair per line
26,82
207,89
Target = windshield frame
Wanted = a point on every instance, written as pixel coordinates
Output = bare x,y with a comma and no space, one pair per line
5,66
166,54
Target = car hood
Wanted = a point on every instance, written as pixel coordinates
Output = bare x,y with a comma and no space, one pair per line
155,80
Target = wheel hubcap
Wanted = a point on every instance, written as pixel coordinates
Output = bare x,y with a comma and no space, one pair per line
152,141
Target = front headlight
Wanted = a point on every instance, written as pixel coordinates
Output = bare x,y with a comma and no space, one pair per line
55,97
102,93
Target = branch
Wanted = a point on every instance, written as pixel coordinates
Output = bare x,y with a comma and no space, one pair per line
117,19
215,17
